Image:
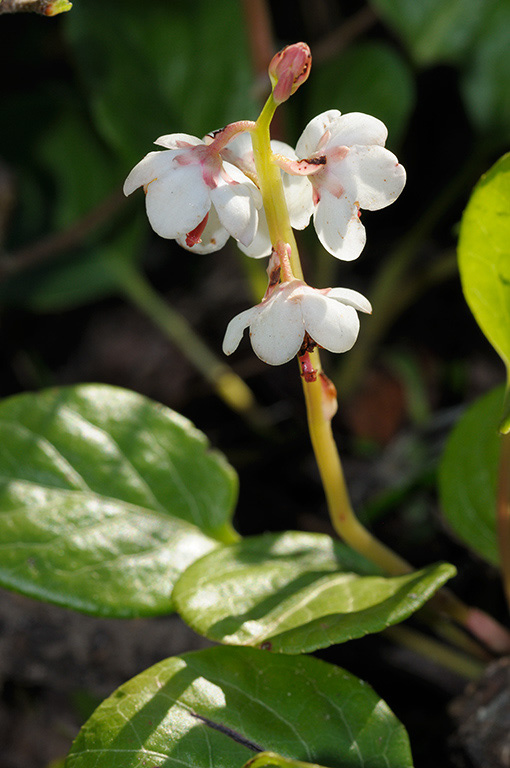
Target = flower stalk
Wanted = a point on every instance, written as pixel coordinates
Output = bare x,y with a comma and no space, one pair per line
317,397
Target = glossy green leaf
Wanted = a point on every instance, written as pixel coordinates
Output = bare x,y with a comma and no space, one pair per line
221,706
159,67
468,475
368,77
105,498
434,31
484,256
296,592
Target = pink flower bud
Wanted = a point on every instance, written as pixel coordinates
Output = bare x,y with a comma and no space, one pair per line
289,69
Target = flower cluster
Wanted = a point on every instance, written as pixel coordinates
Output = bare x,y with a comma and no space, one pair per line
203,191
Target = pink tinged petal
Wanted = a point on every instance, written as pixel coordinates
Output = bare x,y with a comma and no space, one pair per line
277,332
349,297
236,328
152,166
333,325
376,174
177,202
358,128
314,131
260,246
338,227
177,140
236,210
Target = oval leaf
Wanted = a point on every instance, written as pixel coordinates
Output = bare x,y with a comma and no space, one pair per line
221,706
105,498
468,476
484,256
296,592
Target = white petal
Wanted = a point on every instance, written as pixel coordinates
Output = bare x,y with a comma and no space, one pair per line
177,202
299,197
236,327
358,128
314,131
242,146
152,166
332,325
277,332
260,246
338,227
236,209
375,176
213,237
176,140
351,298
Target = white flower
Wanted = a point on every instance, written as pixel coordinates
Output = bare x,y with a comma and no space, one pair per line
278,324
187,182
297,189
356,171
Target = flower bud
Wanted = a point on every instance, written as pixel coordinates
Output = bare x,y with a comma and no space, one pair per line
289,69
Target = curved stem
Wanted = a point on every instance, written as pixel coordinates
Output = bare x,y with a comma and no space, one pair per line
320,394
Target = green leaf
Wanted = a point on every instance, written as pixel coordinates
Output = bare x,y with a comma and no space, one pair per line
468,475
296,592
105,498
434,31
159,67
484,256
369,77
221,706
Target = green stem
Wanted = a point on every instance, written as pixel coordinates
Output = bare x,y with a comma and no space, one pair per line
226,383
317,393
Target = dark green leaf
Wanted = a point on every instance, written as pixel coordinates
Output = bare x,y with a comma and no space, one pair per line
369,77
105,498
296,592
468,476
219,707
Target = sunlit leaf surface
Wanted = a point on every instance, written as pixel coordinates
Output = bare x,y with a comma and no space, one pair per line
105,498
296,592
221,706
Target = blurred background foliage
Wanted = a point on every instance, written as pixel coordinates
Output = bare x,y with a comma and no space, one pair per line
84,95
